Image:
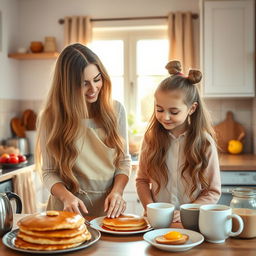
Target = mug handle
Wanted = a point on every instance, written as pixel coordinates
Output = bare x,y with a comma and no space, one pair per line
17,199
241,225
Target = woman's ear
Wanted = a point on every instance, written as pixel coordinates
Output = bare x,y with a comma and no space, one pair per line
193,108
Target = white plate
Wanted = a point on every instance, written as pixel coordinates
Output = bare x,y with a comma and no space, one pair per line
195,238
8,240
97,224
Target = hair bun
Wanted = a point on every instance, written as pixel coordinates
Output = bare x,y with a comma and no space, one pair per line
194,76
173,67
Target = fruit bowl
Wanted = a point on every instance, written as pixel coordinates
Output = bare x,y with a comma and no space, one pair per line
10,166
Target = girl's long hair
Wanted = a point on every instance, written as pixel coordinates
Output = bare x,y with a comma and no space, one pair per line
157,141
60,122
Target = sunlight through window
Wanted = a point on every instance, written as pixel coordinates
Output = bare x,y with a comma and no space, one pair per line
111,53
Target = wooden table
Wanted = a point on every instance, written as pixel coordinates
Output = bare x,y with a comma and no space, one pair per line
110,245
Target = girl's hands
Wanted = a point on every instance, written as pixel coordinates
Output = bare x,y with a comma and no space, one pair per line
74,204
114,204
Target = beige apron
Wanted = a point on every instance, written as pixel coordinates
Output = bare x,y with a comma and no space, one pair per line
94,170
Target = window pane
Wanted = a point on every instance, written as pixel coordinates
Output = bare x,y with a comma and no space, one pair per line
111,53
118,88
152,56
114,63
146,89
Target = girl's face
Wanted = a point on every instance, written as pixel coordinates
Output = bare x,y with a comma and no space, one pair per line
92,83
171,111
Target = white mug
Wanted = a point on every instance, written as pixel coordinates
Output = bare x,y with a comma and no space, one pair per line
160,215
215,222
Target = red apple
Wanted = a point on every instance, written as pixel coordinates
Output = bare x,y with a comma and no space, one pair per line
22,158
13,160
4,159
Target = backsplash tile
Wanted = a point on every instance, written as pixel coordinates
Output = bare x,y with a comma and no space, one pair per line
243,114
13,108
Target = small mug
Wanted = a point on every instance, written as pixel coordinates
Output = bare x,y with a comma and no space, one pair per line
215,222
160,215
189,215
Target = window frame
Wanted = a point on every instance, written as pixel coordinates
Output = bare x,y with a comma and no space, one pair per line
130,35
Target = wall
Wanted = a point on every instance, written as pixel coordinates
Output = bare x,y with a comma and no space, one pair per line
243,113
40,18
9,70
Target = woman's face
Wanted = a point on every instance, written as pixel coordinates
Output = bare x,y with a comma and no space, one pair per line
92,83
171,111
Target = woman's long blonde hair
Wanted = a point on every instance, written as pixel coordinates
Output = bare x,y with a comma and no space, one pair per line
60,122
157,140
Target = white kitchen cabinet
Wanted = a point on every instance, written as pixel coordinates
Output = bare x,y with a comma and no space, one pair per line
227,48
133,204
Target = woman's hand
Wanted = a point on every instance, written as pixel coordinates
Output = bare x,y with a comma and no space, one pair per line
114,204
74,204
71,202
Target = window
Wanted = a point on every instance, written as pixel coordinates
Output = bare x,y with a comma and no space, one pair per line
135,60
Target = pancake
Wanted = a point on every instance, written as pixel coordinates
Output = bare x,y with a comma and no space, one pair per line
56,233
127,222
42,247
131,228
51,230
51,220
53,240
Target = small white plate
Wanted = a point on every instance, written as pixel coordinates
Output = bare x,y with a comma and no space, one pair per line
195,238
97,224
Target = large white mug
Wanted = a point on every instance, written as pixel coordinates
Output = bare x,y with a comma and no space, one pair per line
160,215
215,222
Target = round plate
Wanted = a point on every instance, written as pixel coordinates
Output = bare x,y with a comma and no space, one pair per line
195,239
8,240
97,224
9,166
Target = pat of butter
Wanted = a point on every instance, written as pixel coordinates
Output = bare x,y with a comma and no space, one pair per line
52,213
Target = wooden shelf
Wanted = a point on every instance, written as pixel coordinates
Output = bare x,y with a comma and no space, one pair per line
34,56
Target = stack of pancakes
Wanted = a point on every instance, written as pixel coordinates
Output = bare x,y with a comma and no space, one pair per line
51,230
128,222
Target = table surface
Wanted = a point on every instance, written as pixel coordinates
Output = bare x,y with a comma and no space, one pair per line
134,245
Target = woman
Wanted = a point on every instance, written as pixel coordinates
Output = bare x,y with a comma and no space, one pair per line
82,138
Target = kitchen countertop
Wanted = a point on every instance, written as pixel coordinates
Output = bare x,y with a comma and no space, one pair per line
10,172
228,162
243,162
135,245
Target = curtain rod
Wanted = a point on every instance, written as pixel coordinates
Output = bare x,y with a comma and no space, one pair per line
194,16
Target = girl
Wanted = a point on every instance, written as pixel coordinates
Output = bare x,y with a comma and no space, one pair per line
178,161
82,138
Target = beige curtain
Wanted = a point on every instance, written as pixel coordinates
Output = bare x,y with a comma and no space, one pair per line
181,39
24,188
77,29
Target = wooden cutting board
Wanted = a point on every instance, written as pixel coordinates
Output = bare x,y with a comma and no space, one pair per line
17,128
228,130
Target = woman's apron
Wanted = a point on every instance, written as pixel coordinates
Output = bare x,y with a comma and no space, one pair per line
94,170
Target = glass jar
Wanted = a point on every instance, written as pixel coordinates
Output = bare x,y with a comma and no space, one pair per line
243,198
243,204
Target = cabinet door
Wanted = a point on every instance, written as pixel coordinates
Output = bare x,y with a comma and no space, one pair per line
228,48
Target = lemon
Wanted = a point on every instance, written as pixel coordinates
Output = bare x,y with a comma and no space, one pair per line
235,146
